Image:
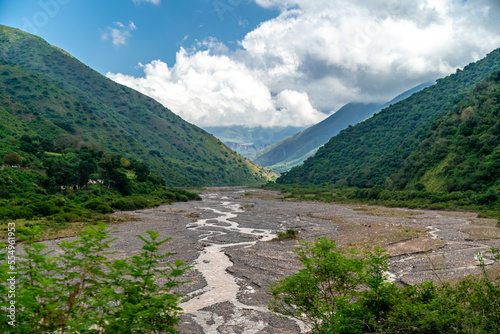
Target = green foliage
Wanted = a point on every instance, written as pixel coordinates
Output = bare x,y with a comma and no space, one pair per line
413,199
325,292
340,293
369,153
12,158
52,94
288,234
78,185
462,150
81,290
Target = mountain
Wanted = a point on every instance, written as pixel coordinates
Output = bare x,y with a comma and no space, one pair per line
91,109
462,150
371,152
293,150
246,141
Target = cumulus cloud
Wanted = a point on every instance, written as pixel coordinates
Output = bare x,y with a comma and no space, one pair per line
119,33
214,90
319,55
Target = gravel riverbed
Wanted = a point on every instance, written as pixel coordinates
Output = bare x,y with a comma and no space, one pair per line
227,238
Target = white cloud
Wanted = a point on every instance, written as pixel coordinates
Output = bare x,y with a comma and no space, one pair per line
319,55
154,2
212,90
120,33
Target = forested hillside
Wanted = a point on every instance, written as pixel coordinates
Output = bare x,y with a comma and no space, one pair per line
371,152
462,150
294,149
93,110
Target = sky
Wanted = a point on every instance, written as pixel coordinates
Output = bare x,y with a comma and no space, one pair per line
264,62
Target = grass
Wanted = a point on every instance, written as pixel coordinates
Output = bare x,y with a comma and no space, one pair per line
52,230
365,238
385,212
325,216
262,195
481,233
484,222
289,234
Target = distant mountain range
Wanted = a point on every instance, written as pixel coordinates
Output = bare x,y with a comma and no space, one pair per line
46,91
295,149
430,138
246,141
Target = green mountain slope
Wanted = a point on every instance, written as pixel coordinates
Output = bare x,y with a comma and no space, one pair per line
369,153
462,150
98,111
294,150
298,147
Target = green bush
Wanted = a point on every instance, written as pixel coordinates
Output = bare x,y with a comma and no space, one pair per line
288,234
83,291
337,292
44,208
98,206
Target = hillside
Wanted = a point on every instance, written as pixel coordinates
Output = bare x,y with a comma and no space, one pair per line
97,111
462,150
293,150
370,152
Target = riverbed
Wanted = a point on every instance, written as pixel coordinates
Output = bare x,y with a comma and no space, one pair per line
228,238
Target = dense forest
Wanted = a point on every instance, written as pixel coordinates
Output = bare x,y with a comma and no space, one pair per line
462,150
369,153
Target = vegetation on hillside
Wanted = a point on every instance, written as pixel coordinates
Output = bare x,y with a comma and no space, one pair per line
456,166
53,183
462,151
369,153
293,150
82,103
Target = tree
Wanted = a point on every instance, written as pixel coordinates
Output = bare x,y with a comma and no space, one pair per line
322,294
111,173
141,170
12,159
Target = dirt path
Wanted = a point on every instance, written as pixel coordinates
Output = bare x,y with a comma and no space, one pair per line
226,236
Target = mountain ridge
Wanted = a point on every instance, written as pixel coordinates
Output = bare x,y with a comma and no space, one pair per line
118,118
367,154
295,149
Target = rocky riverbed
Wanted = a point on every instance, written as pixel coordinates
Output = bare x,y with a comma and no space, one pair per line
228,239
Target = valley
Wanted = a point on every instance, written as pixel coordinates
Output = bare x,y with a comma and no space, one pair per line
227,237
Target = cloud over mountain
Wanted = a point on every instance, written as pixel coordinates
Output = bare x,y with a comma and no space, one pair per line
319,55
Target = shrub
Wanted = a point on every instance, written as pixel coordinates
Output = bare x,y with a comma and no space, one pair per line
98,206
82,291
44,208
336,293
289,234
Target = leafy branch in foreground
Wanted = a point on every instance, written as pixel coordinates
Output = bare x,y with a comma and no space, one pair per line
79,289
336,292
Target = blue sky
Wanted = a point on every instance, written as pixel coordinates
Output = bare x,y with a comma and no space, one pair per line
265,62
77,26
